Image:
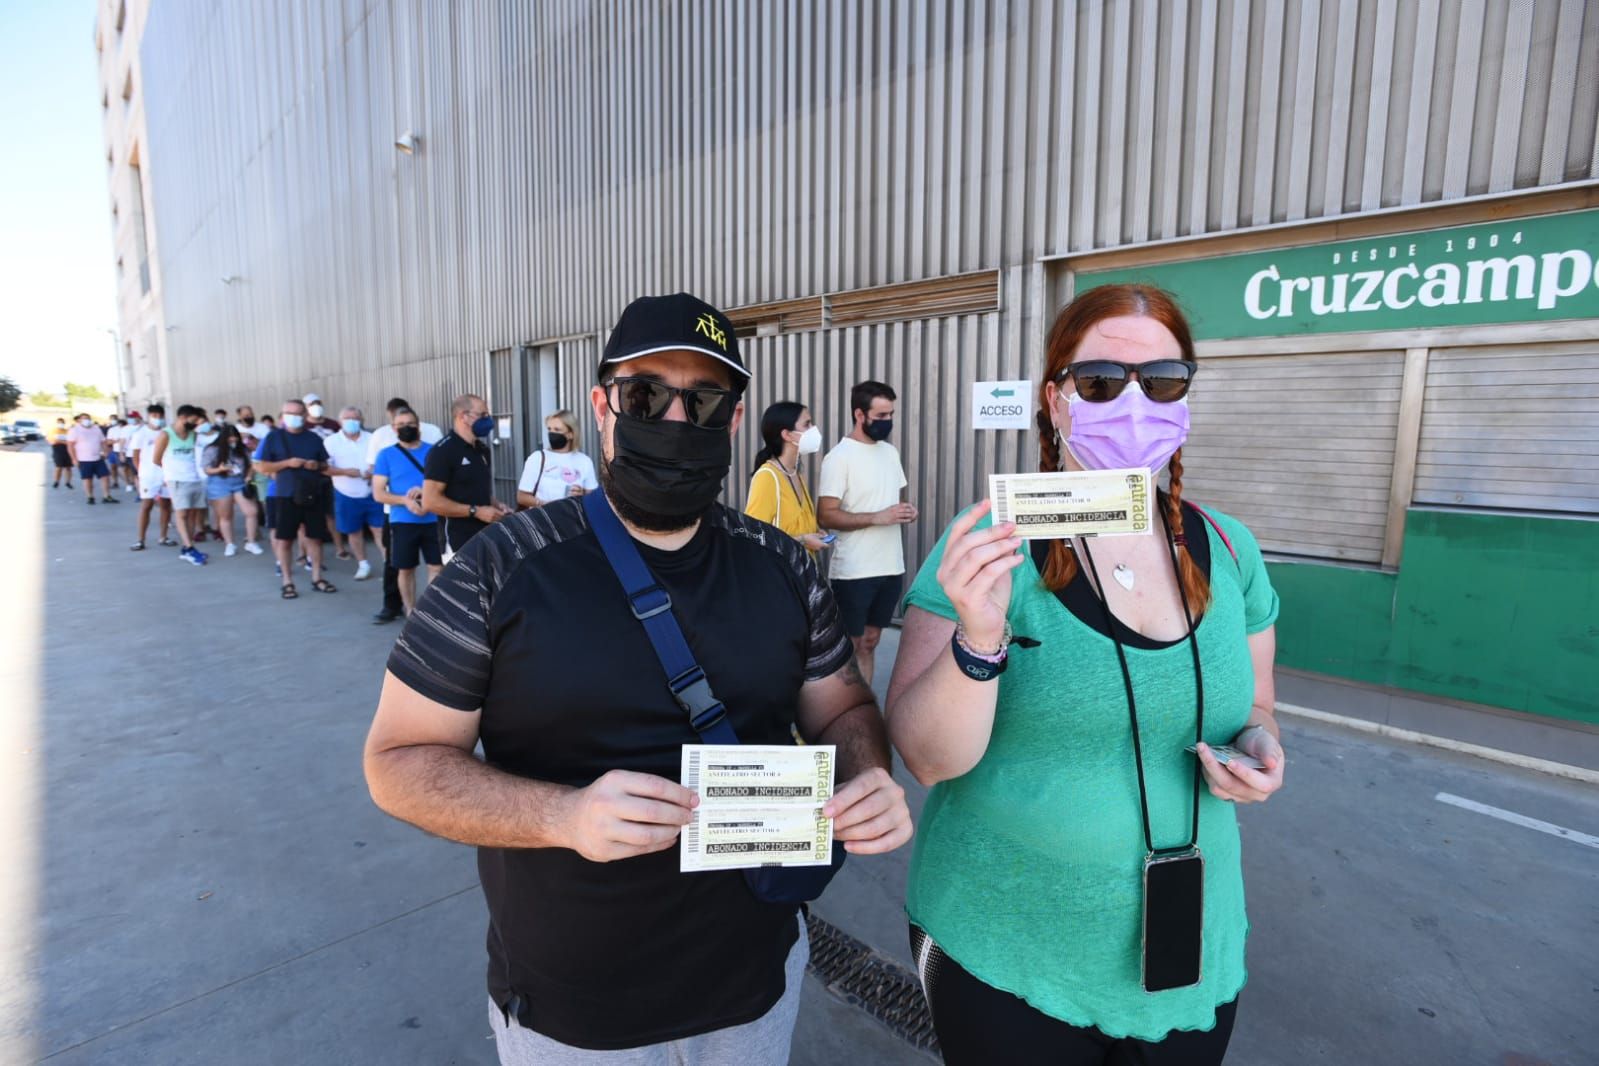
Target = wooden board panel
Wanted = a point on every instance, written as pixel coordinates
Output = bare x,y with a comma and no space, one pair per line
1299,447
1512,427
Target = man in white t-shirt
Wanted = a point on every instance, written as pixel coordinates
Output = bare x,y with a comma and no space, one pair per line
152,480
253,430
117,440
858,497
354,509
380,438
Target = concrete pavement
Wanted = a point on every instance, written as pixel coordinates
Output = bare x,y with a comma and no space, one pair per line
194,873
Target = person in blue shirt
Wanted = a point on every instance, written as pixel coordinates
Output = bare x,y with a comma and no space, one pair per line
397,480
297,462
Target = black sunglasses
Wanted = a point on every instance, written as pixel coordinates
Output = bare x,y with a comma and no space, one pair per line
647,399
1102,380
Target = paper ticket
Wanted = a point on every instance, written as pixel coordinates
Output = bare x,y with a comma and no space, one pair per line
759,805
731,838
1087,503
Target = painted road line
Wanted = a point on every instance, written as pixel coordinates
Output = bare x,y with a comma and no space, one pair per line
1509,758
1519,819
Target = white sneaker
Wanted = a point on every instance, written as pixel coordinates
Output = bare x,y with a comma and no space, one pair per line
363,571
230,551
252,547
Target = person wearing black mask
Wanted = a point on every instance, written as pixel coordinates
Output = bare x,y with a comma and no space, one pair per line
529,643
558,471
458,485
858,496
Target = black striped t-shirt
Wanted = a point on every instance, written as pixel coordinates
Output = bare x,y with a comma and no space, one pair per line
529,623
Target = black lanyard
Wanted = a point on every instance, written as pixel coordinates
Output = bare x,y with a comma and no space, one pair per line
1132,704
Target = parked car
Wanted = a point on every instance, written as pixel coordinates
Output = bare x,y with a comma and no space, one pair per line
9,434
29,429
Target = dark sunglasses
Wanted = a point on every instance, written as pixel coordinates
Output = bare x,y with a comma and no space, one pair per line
649,400
1102,380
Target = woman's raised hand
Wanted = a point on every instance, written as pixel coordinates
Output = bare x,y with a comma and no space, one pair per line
975,574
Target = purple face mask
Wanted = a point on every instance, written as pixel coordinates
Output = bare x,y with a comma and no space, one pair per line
1130,432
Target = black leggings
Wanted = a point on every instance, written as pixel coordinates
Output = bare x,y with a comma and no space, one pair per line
978,1024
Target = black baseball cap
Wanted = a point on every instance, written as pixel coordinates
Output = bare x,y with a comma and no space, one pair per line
679,322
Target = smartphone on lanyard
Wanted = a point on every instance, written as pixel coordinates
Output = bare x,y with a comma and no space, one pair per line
1174,920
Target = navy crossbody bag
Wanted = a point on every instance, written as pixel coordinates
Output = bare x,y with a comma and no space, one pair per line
691,688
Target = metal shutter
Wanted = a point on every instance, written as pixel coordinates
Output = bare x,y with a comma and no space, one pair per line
1298,447
1513,427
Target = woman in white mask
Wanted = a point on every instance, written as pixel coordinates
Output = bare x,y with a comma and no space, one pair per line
1077,892
777,490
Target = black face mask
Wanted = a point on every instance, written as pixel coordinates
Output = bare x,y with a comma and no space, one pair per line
409,434
558,441
664,475
880,429
247,421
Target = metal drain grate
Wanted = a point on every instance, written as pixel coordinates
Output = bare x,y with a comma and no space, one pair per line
880,986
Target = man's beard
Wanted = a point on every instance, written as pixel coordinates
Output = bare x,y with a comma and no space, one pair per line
639,518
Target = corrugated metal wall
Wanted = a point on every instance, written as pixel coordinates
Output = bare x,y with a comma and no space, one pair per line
574,155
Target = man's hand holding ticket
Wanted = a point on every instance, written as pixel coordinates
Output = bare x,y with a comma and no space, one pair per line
760,805
1084,503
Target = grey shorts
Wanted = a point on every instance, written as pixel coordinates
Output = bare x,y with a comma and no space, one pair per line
187,495
763,1042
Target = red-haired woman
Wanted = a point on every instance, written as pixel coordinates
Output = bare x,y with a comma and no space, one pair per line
1064,802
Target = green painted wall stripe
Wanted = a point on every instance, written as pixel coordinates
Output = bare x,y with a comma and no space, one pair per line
1494,609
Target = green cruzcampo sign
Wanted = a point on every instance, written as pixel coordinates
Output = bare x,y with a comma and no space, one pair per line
1523,270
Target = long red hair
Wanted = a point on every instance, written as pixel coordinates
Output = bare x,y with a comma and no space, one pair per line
1065,336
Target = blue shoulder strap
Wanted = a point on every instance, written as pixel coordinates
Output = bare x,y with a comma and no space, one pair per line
652,606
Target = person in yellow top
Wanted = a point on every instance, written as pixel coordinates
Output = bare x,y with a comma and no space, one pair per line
60,454
777,489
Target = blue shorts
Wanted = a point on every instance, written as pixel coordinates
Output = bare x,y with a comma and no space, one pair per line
220,488
867,601
351,514
94,468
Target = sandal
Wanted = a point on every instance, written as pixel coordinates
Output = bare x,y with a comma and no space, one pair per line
139,547
290,592
323,585
167,542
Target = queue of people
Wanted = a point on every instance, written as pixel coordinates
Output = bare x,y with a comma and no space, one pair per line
295,484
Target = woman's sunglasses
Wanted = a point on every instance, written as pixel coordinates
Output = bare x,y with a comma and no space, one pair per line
649,400
1102,380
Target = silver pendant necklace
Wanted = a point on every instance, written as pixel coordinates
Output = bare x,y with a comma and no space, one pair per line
1122,573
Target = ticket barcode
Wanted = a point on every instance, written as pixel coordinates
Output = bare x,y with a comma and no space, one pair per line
1001,501
692,781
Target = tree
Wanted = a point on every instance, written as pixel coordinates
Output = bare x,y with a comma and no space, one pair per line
10,395
76,391
45,399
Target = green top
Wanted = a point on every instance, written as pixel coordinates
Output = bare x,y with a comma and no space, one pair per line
1028,870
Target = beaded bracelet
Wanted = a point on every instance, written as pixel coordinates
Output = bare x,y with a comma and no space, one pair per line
985,656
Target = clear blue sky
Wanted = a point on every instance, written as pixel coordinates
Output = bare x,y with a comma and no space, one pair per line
57,273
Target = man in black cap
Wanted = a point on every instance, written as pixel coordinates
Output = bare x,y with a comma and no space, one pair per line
527,642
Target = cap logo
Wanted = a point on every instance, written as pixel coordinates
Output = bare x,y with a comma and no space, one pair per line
707,325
